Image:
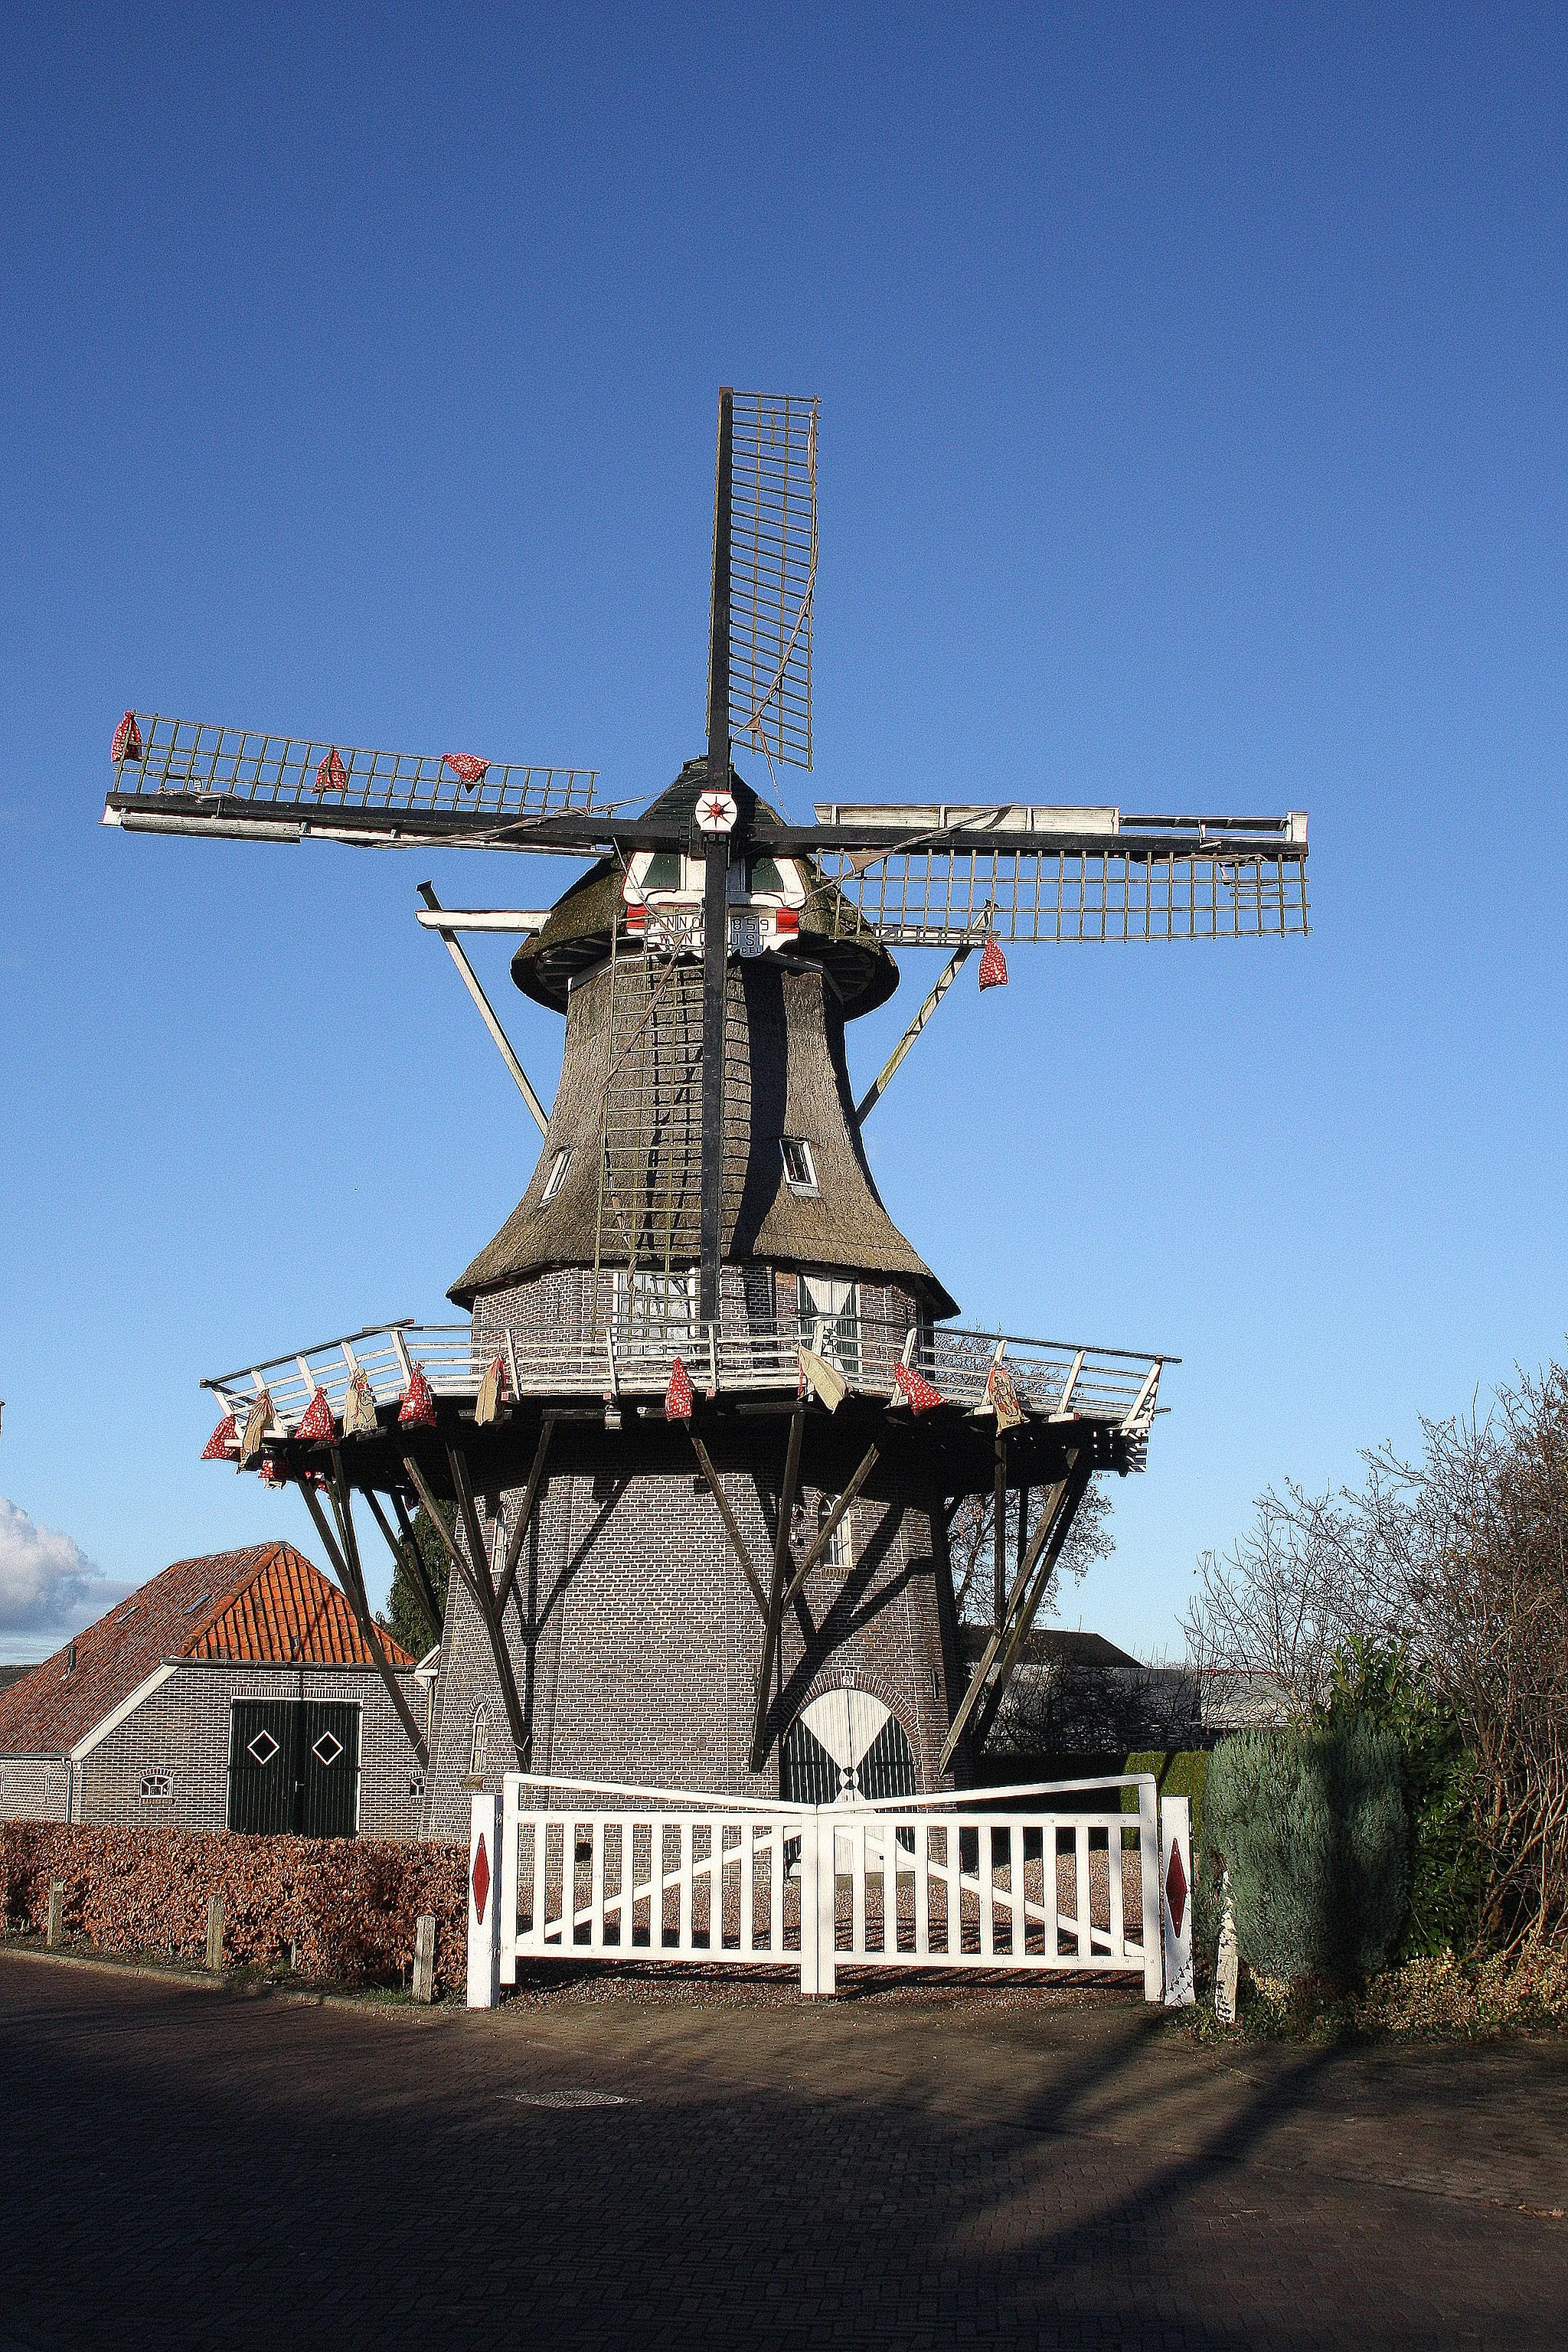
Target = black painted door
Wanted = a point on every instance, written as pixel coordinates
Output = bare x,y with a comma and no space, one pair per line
293,1767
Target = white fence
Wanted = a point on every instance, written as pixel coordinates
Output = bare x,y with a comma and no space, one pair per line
593,1874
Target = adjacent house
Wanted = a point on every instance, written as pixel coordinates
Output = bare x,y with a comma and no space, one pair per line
234,1691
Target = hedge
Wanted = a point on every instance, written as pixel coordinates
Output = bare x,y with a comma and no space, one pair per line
1178,1772
347,1905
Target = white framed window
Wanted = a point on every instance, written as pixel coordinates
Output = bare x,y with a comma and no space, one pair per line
557,1176
159,1785
480,1744
840,1553
830,1320
799,1167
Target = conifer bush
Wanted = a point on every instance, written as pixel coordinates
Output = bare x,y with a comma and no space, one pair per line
1310,1821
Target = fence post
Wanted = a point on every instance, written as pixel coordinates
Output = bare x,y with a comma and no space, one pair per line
214,1932
425,1958
826,1900
484,1902
807,1901
54,1934
816,1901
1149,1876
1177,1886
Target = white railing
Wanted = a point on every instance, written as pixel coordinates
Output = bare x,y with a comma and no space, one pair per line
598,1874
1053,1379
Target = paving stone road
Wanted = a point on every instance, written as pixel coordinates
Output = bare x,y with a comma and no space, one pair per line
687,2165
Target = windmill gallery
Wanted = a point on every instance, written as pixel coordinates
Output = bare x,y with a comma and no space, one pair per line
702,1433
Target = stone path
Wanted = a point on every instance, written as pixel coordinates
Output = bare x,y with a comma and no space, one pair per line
707,2166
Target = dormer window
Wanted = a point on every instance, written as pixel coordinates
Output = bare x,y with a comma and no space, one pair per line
799,1167
557,1176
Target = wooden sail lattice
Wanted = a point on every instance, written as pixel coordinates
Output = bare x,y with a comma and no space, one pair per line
773,573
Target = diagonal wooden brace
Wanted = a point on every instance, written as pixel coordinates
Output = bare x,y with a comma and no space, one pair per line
728,1515
826,1534
1030,1587
782,1563
346,1561
489,1607
529,1498
405,1554
477,1580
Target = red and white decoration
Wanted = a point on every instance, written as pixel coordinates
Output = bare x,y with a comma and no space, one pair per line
484,1903
468,771
678,1396
331,776
716,812
1176,1899
127,743
224,1442
916,1389
417,1410
273,1473
993,966
316,1421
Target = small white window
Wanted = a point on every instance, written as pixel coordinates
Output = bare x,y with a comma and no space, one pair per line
481,1743
800,1169
840,1553
557,1176
157,1785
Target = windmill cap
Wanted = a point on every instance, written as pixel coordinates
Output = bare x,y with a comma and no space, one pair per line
577,935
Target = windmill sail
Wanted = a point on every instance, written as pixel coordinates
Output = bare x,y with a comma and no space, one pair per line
928,877
773,571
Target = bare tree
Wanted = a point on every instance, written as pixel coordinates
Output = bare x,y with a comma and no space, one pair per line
973,1551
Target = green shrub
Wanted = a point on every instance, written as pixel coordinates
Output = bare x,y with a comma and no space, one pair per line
1437,1773
1311,1822
1178,1772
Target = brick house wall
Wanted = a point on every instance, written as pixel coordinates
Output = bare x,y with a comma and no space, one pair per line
180,1731
34,1788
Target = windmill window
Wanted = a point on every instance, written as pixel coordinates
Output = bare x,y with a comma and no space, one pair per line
653,1309
664,871
480,1744
799,1167
765,875
557,1176
840,1552
830,1320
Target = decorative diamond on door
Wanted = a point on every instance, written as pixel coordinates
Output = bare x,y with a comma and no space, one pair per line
327,1749
264,1748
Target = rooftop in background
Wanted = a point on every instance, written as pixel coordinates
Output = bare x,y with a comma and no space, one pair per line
265,1605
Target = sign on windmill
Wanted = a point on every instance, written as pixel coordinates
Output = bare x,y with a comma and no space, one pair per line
694,1449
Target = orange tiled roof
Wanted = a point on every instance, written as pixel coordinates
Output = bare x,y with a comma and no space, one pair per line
287,1613
265,1605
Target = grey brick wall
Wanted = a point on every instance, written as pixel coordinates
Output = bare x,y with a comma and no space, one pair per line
33,1787
637,1640
181,1732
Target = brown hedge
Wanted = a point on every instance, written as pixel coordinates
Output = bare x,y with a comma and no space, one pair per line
348,1904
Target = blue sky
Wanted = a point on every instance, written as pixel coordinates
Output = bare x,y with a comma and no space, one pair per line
1193,437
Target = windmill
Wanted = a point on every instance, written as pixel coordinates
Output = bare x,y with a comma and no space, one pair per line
708,1421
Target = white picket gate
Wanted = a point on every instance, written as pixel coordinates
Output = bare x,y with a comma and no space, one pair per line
616,1874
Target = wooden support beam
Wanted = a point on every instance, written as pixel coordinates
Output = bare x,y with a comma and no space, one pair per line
470,982
826,1534
1036,1545
489,1607
531,1494
454,1556
986,1691
999,1534
776,1589
405,1554
884,1077
730,1528
483,1595
345,1560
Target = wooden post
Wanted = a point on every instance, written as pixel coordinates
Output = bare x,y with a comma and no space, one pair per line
782,1561
54,1934
214,1932
531,1497
728,1516
425,1958
344,1559
999,1536
484,1901
484,1592
408,1557
1149,1875
1176,1899
716,887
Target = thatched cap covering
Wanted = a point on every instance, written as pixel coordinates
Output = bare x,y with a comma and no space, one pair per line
577,936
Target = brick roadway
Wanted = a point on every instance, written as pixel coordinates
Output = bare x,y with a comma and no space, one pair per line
908,2166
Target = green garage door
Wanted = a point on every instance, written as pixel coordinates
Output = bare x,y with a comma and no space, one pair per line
293,1767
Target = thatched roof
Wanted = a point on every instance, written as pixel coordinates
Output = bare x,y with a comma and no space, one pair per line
788,1077
577,936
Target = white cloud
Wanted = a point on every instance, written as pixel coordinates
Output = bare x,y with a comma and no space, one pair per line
47,1581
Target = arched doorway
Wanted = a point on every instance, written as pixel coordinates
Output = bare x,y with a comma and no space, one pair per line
844,1746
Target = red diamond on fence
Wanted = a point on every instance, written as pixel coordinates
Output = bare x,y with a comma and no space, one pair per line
127,743
916,1388
993,966
224,1441
316,1421
417,1410
1176,1890
467,769
677,1399
331,776
481,1879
